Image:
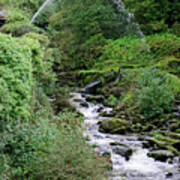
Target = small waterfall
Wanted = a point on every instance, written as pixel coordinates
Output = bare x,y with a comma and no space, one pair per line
129,26
39,11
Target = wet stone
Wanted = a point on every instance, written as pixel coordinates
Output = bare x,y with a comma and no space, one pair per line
161,155
115,126
77,100
84,104
118,144
177,146
124,151
169,175
95,98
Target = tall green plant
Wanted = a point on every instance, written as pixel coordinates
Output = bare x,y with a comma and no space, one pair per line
153,94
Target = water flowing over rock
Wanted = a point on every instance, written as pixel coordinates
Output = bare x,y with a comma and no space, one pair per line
130,161
127,20
161,155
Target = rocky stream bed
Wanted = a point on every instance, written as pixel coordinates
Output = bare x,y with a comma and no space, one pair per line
133,156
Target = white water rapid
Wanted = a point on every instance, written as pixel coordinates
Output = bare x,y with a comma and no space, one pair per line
139,166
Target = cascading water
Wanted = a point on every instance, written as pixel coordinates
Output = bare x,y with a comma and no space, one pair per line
137,166
39,11
128,25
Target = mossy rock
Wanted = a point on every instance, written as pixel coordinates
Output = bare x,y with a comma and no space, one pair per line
168,140
148,128
118,144
178,130
161,142
95,99
161,155
153,143
159,122
124,151
174,150
115,125
107,114
174,126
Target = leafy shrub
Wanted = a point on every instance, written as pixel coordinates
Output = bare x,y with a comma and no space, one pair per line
153,94
28,6
175,29
16,79
42,59
130,51
70,157
15,15
154,16
164,45
34,143
16,93
17,85
126,50
19,28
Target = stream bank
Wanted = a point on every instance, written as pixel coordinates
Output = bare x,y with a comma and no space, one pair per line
134,156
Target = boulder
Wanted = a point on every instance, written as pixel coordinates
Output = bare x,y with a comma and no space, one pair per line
91,88
107,114
118,144
84,104
153,143
110,76
115,125
176,145
161,155
124,151
92,98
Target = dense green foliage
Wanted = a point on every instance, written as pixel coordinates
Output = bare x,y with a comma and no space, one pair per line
30,6
165,44
81,28
16,79
131,51
155,16
126,50
30,144
153,95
